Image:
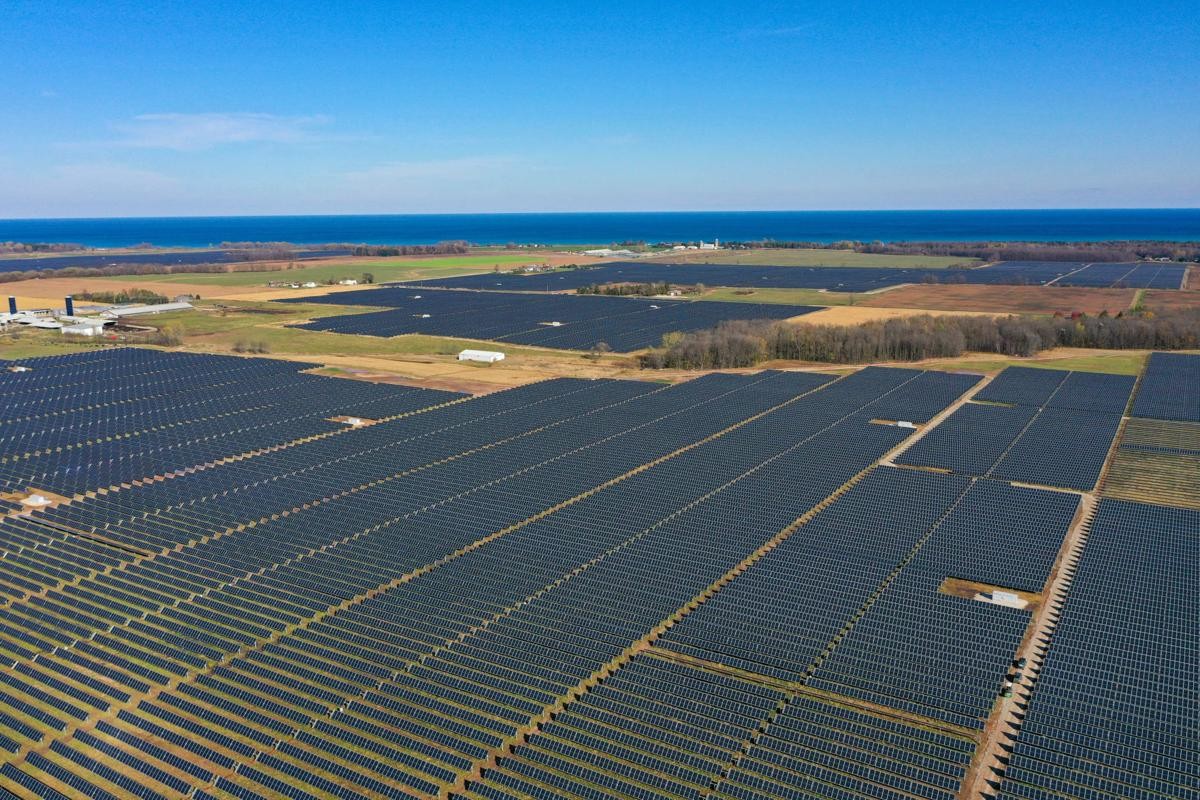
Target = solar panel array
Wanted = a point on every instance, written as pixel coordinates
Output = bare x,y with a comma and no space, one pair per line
840,279
1046,427
1113,714
1170,388
114,416
581,589
373,611
558,321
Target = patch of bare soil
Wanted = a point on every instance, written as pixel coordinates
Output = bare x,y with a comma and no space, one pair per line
1004,299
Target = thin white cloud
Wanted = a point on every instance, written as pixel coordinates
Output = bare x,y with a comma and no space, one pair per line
204,131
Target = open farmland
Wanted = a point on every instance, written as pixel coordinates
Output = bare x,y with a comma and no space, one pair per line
564,322
1006,299
244,580
384,269
1170,301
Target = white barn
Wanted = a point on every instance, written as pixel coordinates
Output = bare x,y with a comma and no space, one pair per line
484,356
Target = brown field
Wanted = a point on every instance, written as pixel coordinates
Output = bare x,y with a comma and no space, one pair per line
1004,299
446,372
1158,300
49,292
853,315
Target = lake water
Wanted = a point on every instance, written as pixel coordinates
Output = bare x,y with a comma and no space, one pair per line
604,228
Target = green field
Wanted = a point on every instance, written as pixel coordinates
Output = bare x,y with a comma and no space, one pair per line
1116,363
813,258
807,297
384,269
34,344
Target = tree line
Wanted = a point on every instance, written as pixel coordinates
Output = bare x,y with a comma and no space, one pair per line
124,296
39,247
1113,251
628,289
748,343
440,249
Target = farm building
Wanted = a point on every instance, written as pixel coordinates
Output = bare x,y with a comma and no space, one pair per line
157,308
484,356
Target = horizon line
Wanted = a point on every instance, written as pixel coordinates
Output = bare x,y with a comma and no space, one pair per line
609,212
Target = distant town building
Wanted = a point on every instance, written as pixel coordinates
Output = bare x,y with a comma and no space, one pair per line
347,282
608,252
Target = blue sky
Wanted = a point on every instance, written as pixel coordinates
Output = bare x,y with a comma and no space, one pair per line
114,109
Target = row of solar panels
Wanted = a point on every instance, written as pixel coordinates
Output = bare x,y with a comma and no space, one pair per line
169,412
1113,714
1170,388
749,741
432,673
1054,428
564,322
655,551
217,501
841,279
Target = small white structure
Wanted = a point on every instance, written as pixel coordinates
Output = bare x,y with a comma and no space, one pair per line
45,323
706,246
83,329
608,252
348,282
1001,598
309,285
904,424
484,356
36,501
133,311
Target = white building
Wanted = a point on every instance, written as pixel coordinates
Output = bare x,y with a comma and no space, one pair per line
157,308
484,356
83,329
348,282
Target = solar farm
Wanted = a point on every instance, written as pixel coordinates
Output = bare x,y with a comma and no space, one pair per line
565,322
226,577
1151,275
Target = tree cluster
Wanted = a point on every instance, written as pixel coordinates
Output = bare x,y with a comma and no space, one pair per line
39,247
439,249
1001,251
747,343
627,289
123,296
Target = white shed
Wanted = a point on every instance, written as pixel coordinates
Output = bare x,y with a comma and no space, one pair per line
132,311
83,329
485,356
